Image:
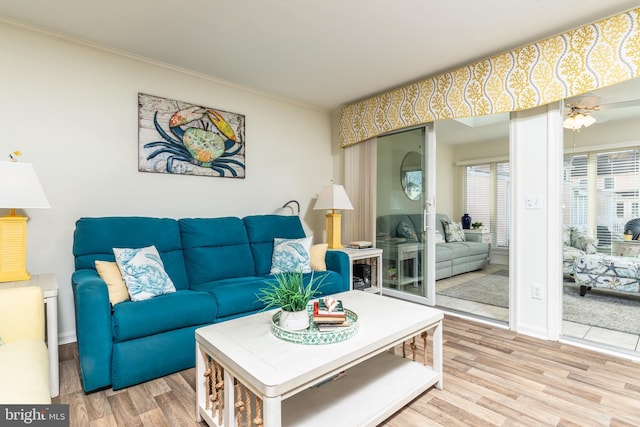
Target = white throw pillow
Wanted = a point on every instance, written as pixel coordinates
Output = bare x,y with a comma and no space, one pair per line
143,272
291,255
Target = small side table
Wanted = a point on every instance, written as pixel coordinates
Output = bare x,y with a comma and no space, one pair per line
625,248
401,263
371,256
49,286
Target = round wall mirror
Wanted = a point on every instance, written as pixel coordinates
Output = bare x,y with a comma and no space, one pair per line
411,175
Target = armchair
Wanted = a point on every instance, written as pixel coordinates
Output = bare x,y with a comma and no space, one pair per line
576,244
24,359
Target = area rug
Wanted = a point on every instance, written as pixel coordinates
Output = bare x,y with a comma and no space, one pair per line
490,289
597,308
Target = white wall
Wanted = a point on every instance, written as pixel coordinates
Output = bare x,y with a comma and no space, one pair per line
71,109
535,249
447,185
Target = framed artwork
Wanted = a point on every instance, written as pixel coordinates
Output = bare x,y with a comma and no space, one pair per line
181,138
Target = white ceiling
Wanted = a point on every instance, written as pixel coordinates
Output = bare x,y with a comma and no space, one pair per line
320,53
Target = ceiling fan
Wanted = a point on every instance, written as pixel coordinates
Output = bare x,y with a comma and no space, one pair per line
580,113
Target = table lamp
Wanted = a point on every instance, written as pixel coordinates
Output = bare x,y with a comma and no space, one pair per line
333,197
19,188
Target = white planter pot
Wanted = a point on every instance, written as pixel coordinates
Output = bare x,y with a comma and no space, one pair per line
294,320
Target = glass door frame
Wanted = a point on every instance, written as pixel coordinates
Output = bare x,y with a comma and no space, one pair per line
428,154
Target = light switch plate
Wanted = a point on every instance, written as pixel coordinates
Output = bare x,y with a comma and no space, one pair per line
532,201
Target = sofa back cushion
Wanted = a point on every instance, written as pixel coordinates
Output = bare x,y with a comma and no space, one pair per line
95,238
395,225
262,229
215,249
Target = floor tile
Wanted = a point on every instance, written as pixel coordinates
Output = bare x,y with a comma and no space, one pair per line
613,338
573,329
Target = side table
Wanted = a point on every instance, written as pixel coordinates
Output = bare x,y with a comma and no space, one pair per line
371,256
49,286
401,263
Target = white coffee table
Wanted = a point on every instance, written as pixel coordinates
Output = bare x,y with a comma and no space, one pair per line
275,379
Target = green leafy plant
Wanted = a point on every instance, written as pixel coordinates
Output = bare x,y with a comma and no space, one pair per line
288,291
476,224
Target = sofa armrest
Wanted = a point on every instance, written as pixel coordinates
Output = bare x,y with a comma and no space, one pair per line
339,262
21,314
93,328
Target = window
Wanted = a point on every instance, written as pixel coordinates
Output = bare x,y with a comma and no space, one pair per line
601,192
487,198
609,183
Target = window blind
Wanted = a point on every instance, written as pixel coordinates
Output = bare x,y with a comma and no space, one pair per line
487,198
601,191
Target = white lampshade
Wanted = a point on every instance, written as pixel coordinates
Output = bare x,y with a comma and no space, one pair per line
333,197
20,187
287,209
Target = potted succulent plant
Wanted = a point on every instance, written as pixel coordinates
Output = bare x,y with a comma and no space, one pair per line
288,291
476,225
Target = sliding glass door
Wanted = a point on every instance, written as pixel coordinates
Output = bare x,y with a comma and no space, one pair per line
405,213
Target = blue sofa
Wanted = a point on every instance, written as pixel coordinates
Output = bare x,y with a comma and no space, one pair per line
217,266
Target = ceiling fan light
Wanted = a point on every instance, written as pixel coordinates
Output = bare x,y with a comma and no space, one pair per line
588,121
576,120
569,123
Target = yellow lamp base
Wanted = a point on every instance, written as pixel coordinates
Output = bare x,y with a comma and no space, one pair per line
334,239
13,248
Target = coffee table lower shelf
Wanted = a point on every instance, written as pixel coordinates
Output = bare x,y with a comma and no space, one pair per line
368,394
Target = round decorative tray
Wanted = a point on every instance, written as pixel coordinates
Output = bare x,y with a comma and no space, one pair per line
311,335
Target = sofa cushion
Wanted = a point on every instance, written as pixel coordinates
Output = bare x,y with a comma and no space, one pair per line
291,255
235,295
163,313
444,252
240,295
143,272
215,249
24,373
262,229
95,238
471,248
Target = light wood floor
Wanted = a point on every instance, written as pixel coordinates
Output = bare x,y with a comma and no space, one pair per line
493,377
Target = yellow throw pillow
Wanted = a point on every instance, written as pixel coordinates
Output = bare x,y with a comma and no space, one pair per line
110,273
318,253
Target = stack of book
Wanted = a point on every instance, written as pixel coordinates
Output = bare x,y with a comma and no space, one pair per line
329,315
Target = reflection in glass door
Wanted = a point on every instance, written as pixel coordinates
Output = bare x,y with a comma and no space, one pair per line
402,216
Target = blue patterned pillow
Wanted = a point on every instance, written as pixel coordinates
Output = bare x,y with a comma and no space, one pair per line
143,272
291,255
453,231
407,231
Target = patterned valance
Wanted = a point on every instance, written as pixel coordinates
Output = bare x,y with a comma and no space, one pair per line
594,56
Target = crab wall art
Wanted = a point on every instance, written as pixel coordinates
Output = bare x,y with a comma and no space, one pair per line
182,138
